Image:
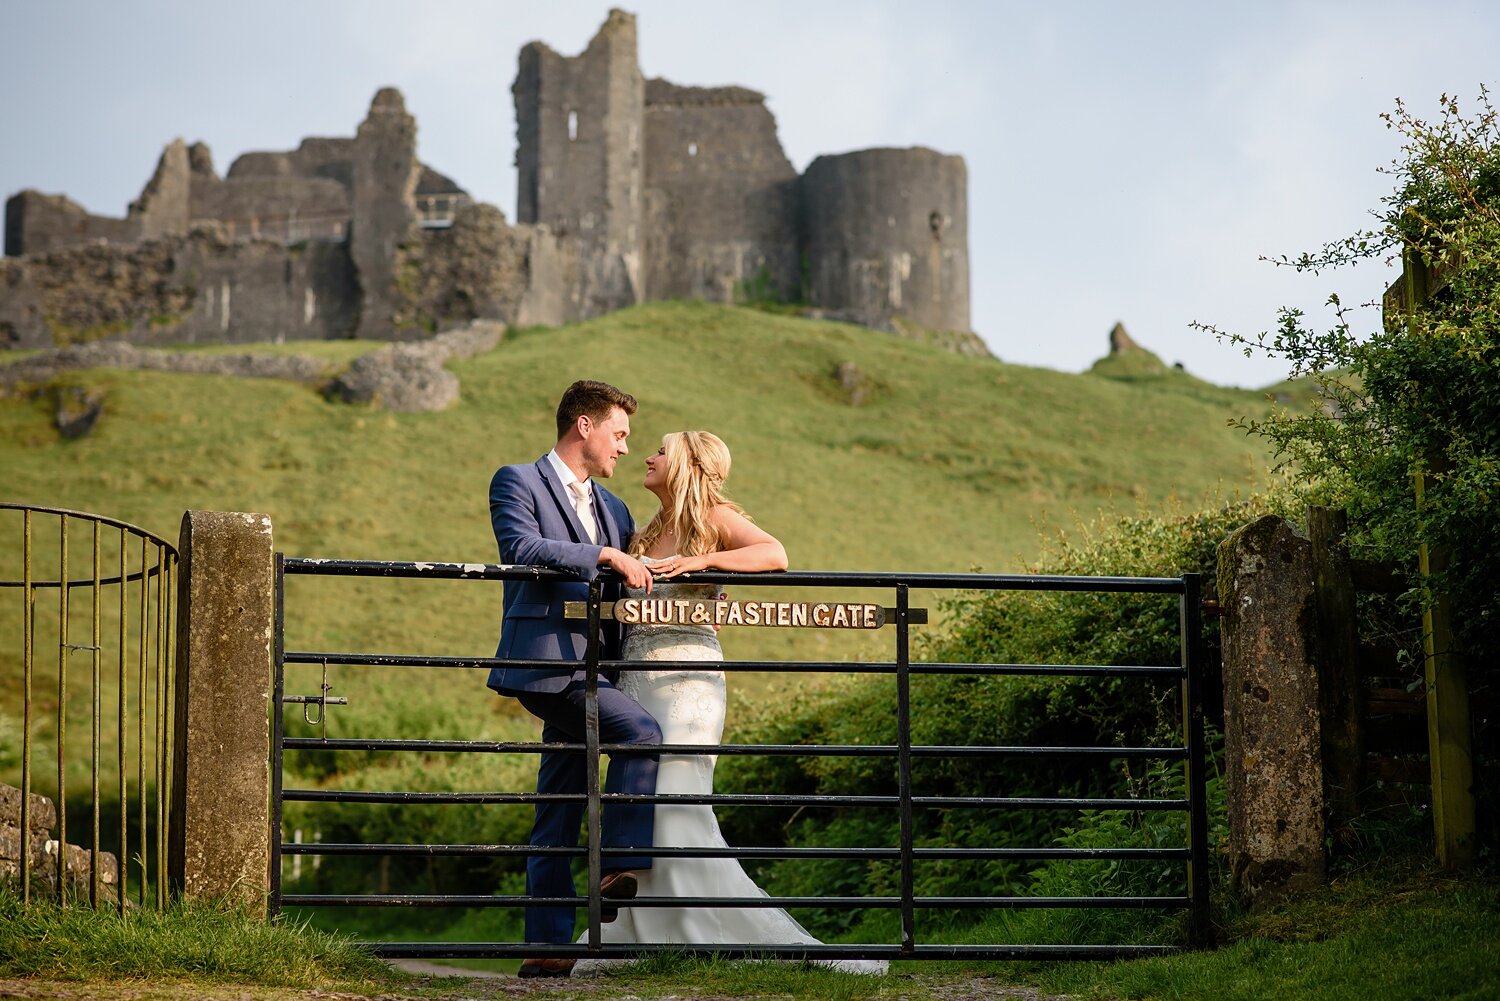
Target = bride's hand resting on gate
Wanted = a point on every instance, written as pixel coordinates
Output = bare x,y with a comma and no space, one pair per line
746,549
677,565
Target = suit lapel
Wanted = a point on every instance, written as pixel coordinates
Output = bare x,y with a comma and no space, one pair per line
560,495
606,519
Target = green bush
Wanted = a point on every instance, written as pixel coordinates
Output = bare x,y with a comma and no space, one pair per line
1004,627
418,823
1415,392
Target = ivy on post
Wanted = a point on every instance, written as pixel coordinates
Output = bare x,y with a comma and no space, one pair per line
1449,744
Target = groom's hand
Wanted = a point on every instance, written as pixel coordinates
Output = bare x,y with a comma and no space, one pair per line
627,566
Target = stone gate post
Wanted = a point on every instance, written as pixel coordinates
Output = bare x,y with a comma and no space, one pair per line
1273,755
219,844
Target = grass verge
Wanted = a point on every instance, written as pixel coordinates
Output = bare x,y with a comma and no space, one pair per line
205,943
1394,930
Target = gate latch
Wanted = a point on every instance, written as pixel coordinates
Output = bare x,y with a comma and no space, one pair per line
318,717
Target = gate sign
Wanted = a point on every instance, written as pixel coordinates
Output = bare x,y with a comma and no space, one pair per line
707,612
685,611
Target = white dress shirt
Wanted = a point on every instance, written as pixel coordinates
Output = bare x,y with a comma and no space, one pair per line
568,479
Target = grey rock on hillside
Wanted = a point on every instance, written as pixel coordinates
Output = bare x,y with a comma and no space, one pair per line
411,377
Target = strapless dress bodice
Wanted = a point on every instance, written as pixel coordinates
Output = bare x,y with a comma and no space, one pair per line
670,590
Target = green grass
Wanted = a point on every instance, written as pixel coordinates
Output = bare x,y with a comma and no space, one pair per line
204,943
1399,929
1396,930
952,463
337,354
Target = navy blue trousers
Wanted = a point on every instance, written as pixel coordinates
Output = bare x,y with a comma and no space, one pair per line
623,825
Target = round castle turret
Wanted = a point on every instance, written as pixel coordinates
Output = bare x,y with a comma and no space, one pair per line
887,236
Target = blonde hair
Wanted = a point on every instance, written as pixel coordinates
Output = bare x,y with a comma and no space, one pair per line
697,466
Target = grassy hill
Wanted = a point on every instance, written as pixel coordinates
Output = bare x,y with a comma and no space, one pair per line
949,463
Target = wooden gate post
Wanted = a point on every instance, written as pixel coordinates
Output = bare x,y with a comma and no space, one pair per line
1449,741
220,843
1340,696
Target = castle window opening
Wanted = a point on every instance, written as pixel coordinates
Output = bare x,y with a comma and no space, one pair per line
437,211
692,149
572,125
936,222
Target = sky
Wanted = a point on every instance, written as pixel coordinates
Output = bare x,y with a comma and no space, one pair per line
1127,161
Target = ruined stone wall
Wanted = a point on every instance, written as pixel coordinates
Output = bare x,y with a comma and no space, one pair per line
198,288
475,269
553,278
313,184
579,162
384,213
36,223
720,208
887,236
625,191
315,157
278,198
164,205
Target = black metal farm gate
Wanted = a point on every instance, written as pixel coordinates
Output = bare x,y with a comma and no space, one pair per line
1192,856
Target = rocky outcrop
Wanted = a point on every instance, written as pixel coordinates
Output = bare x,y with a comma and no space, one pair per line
1127,360
411,377
115,354
407,377
854,383
1120,340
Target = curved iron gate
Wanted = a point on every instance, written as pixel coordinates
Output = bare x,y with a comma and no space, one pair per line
1193,856
129,579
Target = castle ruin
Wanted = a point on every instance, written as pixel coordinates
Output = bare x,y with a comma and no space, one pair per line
628,190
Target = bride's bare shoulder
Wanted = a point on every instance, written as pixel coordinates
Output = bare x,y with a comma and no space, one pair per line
728,514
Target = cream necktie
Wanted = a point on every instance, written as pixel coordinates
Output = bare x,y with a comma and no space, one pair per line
585,510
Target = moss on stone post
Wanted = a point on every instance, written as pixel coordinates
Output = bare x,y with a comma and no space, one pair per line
1273,755
219,845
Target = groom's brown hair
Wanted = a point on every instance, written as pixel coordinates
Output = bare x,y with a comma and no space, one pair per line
592,398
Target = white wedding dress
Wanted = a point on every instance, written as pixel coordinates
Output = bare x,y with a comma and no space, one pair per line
689,706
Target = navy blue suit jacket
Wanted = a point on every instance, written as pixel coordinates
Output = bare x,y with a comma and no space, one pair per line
536,525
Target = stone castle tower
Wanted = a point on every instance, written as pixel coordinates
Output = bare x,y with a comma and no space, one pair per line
685,192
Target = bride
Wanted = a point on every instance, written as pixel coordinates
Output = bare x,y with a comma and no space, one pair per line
696,528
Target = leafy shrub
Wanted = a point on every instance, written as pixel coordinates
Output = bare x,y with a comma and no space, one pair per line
1416,391
417,822
1002,627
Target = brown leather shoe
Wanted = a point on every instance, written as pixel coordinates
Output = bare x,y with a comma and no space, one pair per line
615,886
545,967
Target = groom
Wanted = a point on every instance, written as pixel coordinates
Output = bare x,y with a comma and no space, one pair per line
552,513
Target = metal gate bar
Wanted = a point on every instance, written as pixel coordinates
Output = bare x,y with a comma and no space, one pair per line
907,901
